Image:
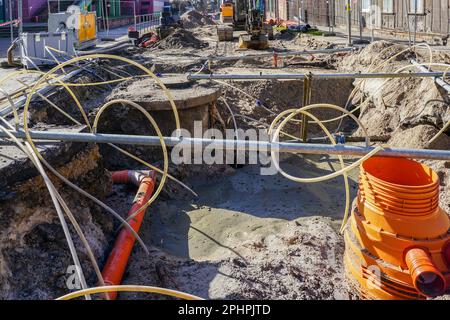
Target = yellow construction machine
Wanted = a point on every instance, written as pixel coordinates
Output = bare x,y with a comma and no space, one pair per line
245,15
227,12
225,29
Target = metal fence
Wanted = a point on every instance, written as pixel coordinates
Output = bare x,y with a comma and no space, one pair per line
400,17
147,22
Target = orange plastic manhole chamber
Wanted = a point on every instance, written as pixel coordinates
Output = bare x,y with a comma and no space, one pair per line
397,241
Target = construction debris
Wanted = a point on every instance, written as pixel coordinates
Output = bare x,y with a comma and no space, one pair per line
181,39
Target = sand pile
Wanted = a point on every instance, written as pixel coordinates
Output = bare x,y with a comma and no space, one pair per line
396,104
362,60
274,242
180,39
313,42
194,19
293,260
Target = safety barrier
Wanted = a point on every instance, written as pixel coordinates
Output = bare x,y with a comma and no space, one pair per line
147,23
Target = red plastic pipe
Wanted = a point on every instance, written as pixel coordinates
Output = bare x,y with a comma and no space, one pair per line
427,278
118,258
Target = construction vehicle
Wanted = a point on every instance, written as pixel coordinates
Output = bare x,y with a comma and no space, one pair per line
170,15
169,20
227,12
247,15
225,29
257,36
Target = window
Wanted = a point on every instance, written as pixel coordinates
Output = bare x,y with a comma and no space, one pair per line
388,6
365,5
420,6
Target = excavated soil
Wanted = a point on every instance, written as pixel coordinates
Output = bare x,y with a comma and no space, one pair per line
34,258
266,99
180,39
224,245
194,19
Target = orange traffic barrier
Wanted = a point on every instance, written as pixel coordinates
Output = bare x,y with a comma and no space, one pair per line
118,258
397,241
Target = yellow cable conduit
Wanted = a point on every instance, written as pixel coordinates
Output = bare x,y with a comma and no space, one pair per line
130,288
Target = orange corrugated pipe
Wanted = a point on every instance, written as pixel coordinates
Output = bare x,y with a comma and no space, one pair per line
118,258
427,278
398,228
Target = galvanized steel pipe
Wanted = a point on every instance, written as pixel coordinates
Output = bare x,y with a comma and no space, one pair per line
241,145
302,76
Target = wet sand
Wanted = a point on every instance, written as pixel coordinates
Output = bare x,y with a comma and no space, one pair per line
243,223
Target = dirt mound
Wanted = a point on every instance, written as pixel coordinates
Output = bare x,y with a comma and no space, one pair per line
376,53
419,137
396,105
194,19
180,39
313,42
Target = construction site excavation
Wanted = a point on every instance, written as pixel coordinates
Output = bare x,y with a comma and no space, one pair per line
209,150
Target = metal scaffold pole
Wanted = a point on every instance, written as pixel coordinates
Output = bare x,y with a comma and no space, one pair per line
360,14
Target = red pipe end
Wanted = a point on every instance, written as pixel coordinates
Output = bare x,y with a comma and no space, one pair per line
120,177
427,278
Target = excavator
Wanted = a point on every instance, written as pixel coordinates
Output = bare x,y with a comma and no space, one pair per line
245,15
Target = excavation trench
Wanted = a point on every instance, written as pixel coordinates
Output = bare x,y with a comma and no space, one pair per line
246,230
214,234
247,235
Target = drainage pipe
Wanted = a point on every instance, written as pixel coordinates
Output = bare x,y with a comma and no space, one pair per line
302,76
118,258
241,145
427,278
